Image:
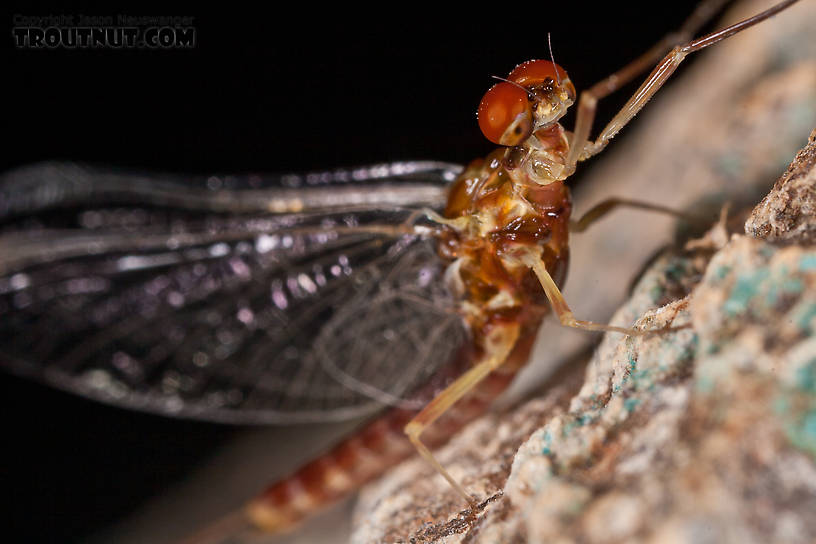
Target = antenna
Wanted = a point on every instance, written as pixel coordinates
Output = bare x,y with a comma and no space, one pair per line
552,58
511,83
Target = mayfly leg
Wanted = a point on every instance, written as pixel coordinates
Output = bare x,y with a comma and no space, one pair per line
605,206
562,310
581,147
499,346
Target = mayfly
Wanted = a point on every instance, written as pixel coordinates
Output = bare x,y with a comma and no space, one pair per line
414,286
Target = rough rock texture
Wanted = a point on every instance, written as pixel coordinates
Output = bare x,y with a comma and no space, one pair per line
704,434
483,469
785,213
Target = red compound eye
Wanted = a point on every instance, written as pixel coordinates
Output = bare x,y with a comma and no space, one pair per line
536,71
504,114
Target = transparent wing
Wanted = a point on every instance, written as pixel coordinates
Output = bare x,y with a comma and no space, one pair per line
241,299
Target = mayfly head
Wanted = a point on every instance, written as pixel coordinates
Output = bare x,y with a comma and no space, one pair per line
536,94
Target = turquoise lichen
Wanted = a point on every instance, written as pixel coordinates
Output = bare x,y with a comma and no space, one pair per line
722,271
705,384
804,317
688,351
641,375
802,433
806,377
713,348
676,270
807,263
788,286
547,449
578,420
781,406
798,409
574,424
638,376
595,402
631,366
630,404
792,285
567,429
745,289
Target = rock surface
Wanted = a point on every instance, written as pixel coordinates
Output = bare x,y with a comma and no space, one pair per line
786,213
704,434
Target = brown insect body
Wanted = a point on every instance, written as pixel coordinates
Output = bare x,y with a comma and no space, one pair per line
492,209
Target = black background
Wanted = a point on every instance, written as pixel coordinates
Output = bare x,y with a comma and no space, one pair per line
270,92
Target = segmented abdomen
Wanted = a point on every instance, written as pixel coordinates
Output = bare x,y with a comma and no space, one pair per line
368,453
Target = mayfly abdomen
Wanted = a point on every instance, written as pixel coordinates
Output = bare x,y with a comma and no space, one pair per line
377,446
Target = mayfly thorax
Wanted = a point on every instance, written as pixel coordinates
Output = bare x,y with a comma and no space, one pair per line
417,287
